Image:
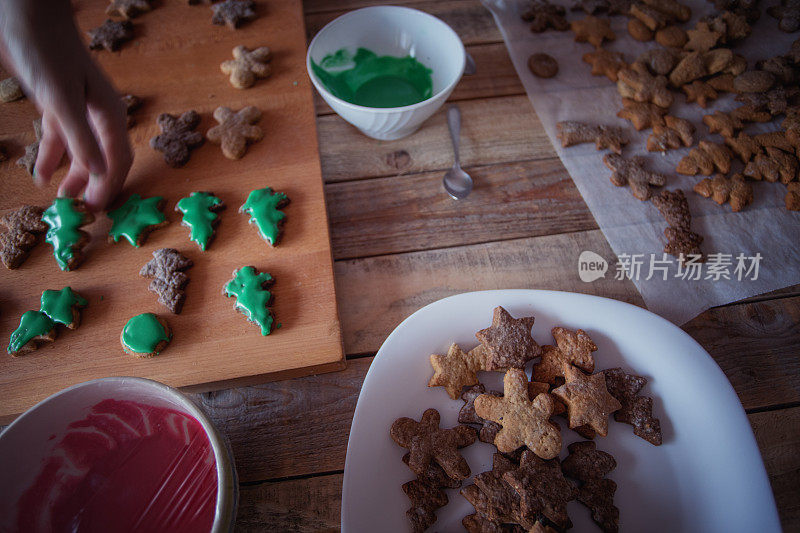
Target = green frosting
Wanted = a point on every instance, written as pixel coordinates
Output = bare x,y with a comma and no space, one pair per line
32,324
143,333
64,233
262,206
370,80
199,217
252,299
58,305
134,216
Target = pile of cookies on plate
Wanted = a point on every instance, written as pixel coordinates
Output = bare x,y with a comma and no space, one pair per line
528,487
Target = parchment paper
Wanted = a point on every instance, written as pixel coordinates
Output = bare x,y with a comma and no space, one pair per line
635,227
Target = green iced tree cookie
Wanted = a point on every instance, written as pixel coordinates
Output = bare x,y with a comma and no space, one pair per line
64,219
200,215
252,297
263,206
136,218
63,307
34,328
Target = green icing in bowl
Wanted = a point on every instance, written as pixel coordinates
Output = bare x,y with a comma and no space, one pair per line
370,80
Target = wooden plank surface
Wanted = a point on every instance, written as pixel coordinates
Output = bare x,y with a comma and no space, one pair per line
212,342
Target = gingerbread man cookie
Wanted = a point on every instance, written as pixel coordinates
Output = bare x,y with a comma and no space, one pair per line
177,137
235,130
247,66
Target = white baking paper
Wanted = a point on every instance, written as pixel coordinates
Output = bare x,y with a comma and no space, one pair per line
634,229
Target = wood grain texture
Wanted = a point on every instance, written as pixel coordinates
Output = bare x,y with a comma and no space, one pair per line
310,504
495,76
347,154
377,293
211,340
778,436
410,213
470,20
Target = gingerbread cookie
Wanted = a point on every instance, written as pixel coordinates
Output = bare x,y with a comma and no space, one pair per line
455,370
467,415
132,104
571,133
426,442
177,137
63,307
743,146
200,214
598,496
10,90
672,37
508,341
235,130
734,190
24,228
593,30
639,30
64,218
636,410
232,13
688,69
753,81
167,270
587,399
28,161
136,218
706,158
145,335
748,113
425,499
788,15
574,347
700,92
586,462
675,133
702,37
253,300
543,15
637,83
524,422
110,35
682,242
631,172
722,123
492,497
264,207
542,489
247,66
659,61
543,65
642,115
605,63
128,9
35,328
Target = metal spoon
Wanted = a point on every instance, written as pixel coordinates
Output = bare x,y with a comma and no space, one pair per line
457,183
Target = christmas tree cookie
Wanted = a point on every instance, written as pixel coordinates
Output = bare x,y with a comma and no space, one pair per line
200,216
263,206
136,218
36,327
63,307
145,335
252,297
64,219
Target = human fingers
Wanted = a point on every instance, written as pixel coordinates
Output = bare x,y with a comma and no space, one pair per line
74,182
51,150
71,113
107,115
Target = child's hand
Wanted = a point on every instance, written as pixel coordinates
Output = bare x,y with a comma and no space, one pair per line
81,112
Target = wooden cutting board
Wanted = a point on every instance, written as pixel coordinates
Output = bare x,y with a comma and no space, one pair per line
173,63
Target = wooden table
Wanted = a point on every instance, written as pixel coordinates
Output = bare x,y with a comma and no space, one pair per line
400,243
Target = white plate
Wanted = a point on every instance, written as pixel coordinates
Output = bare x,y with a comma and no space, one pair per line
707,476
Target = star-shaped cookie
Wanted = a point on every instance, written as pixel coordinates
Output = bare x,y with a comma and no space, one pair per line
574,347
233,13
587,399
508,341
525,422
455,370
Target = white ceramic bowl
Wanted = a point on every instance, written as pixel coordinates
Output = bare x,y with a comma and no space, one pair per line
395,31
25,442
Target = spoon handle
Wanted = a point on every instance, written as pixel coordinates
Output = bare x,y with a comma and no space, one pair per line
454,125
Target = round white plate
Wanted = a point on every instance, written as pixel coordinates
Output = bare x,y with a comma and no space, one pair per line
707,476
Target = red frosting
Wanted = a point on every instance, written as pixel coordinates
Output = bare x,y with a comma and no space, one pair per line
125,467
